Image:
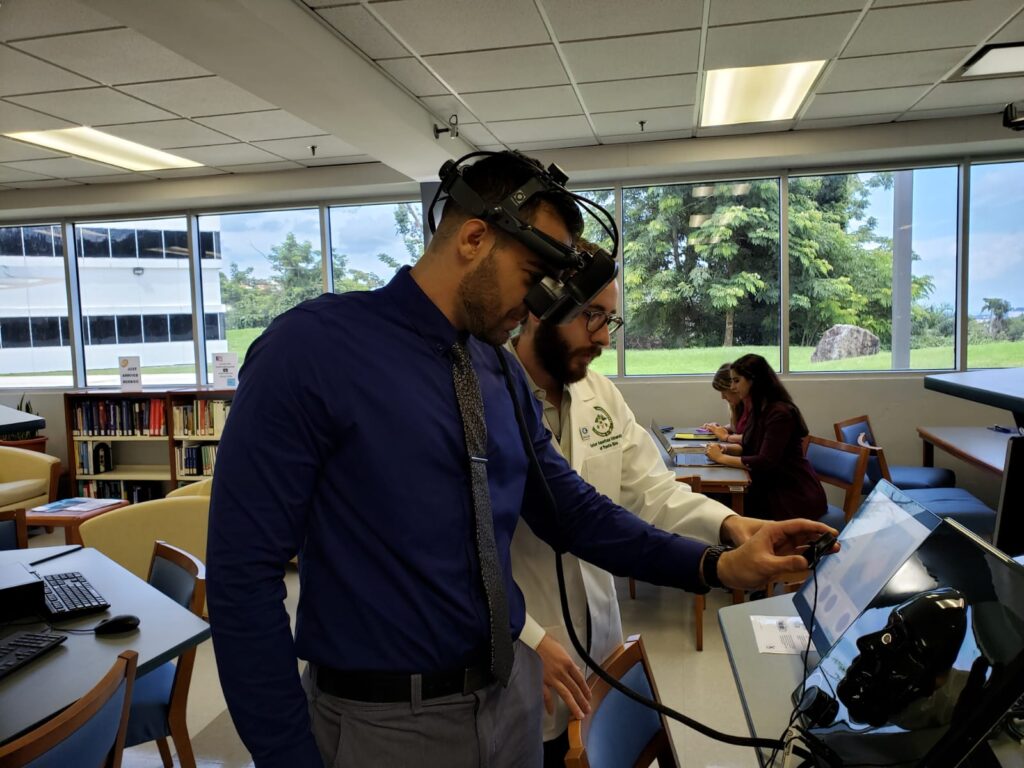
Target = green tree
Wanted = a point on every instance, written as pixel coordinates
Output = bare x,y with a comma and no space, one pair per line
998,309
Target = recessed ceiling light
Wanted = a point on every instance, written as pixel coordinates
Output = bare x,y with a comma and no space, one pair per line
757,94
998,59
96,145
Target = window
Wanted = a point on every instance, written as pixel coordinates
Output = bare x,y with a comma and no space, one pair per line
128,298
214,326
181,327
259,265
33,308
872,261
93,242
607,363
995,304
369,243
700,275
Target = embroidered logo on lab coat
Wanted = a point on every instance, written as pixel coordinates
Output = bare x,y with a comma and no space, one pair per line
603,424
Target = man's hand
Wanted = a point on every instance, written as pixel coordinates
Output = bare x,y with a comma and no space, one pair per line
769,553
736,529
562,676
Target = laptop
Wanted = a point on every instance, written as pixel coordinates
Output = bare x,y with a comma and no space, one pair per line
680,459
884,532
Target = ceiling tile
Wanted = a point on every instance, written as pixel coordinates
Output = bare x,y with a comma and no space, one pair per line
42,183
177,173
630,138
14,118
198,96
10,174
744,11
261,126
116,178
112,56
498,70
327,161
227,154
477,135
621,58
538,146
92,106
935,25
280,165
34,18
545,129
17,150
531,102
414,76
843,122
589,19
444,106
995,110
363,30
298,149
1012,32
656,121
66,167
670,91
426,25
864,102
777,42
887,71
167,134
967,93
20,73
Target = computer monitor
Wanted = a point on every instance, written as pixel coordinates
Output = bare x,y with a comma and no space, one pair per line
1009,532
930,666
886,529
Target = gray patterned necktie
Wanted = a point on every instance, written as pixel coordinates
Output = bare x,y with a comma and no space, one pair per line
471,408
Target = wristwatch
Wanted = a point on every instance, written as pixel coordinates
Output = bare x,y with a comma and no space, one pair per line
709,566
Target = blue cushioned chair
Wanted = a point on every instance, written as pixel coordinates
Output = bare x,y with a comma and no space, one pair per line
13,530
619,731
89,732
843,466
857,431
160,698
958,504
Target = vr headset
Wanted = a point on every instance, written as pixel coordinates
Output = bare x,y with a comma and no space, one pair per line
574,276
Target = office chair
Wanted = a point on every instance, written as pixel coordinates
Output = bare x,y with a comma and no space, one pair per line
13,529
857,431
619,731
160,698
89,732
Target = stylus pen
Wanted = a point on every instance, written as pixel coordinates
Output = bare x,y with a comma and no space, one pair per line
56,555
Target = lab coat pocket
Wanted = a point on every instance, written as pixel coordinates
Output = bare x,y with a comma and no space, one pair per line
603,470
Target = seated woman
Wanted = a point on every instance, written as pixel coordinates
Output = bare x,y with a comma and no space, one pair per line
739,408
783,484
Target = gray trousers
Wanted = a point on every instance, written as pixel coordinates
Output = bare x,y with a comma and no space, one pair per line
494,727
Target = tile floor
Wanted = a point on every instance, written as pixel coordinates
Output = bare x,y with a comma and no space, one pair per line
698,684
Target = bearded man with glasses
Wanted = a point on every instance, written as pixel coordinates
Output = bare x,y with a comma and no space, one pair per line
595,430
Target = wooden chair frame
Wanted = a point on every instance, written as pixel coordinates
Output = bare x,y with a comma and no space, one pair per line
621,660
20,526
183,668
44,738
864,442
853,489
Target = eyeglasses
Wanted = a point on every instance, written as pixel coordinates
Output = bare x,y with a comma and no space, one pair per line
598,319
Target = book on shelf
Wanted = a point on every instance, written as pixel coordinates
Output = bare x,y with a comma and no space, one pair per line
200,418
123,417
76,504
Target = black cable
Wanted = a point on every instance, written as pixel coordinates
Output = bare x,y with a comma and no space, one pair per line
740,741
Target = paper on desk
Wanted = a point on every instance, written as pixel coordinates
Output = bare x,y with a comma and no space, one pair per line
779,634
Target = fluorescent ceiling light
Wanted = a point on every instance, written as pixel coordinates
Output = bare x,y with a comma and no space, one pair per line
96,145
757,94
996,60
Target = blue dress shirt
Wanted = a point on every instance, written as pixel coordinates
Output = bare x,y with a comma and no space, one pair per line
345,445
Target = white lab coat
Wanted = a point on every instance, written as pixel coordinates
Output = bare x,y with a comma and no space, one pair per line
619,458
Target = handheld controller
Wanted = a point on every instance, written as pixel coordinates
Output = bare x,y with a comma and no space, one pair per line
818,548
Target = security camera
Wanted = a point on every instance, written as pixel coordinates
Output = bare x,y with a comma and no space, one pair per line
1013,116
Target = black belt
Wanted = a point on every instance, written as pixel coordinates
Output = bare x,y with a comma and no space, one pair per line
381,687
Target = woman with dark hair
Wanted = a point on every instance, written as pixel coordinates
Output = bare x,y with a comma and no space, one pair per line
782,483
739,409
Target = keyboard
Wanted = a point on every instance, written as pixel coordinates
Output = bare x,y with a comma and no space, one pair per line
69,595
19,649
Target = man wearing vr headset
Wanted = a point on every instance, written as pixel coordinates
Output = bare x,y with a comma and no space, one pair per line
403,577
594,428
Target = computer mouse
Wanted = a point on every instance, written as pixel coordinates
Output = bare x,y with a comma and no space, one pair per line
117,625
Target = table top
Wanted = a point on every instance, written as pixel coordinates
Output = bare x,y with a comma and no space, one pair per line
980,446
50,683
714,477
69,517
13,420
999,387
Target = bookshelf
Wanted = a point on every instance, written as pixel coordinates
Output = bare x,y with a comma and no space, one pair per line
138,445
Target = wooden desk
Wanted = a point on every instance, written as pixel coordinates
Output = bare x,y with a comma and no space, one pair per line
998,387
69,521
48,684
713,478
984,448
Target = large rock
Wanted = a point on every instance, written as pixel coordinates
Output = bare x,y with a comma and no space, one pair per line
841,341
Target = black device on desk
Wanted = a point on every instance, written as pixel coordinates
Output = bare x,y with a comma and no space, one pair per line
931,665
19,649
69,595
